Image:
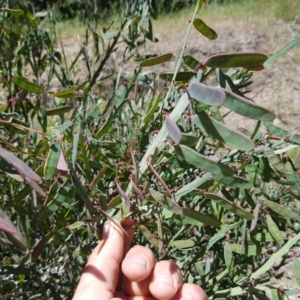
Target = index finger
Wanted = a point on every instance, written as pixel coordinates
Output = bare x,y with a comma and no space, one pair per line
101,273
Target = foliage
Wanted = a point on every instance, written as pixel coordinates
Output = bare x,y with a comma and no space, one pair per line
221,203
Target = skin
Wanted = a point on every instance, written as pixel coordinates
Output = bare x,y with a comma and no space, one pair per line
141,277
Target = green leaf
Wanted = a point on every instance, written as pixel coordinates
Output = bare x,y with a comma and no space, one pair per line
199,5
203,182
182,244
295,138
52,160
166,202
222,133
191,62
283,211
156,60
14,12
292,44
60,110
76,225
27,85
180,76
221,234
296,267
188,139
149,236
202,162
267,237
235,181
228,256
248,250
235,60
276,130
206,94
274,258
292,178
230,206
247,108
55,203
190,215
274,231
274,160
205,30
68,93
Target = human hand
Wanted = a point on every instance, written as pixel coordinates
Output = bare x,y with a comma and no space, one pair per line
142,278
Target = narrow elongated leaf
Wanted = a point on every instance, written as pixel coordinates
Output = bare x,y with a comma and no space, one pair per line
19,165
153,240
189,213
188,139
274,160
276,130
203,182
249,250
52,160
35,186
166,202
206,94
230,206
228,256
295,138
60,110
6,225
235,59
55,203
274,258
190,61
68,93
12,232
182,244
247,108
157,60
180,76
222,133
274,231
76,225
292,44
204,29
234,180
173,130
199,5
27,85
292,178
267,237
202,162
221,233
283,211
14,12
296,267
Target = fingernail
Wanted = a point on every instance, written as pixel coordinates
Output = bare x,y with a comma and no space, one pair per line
138,260
108,230
165,278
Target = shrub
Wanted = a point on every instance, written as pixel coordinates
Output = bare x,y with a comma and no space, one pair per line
223,204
